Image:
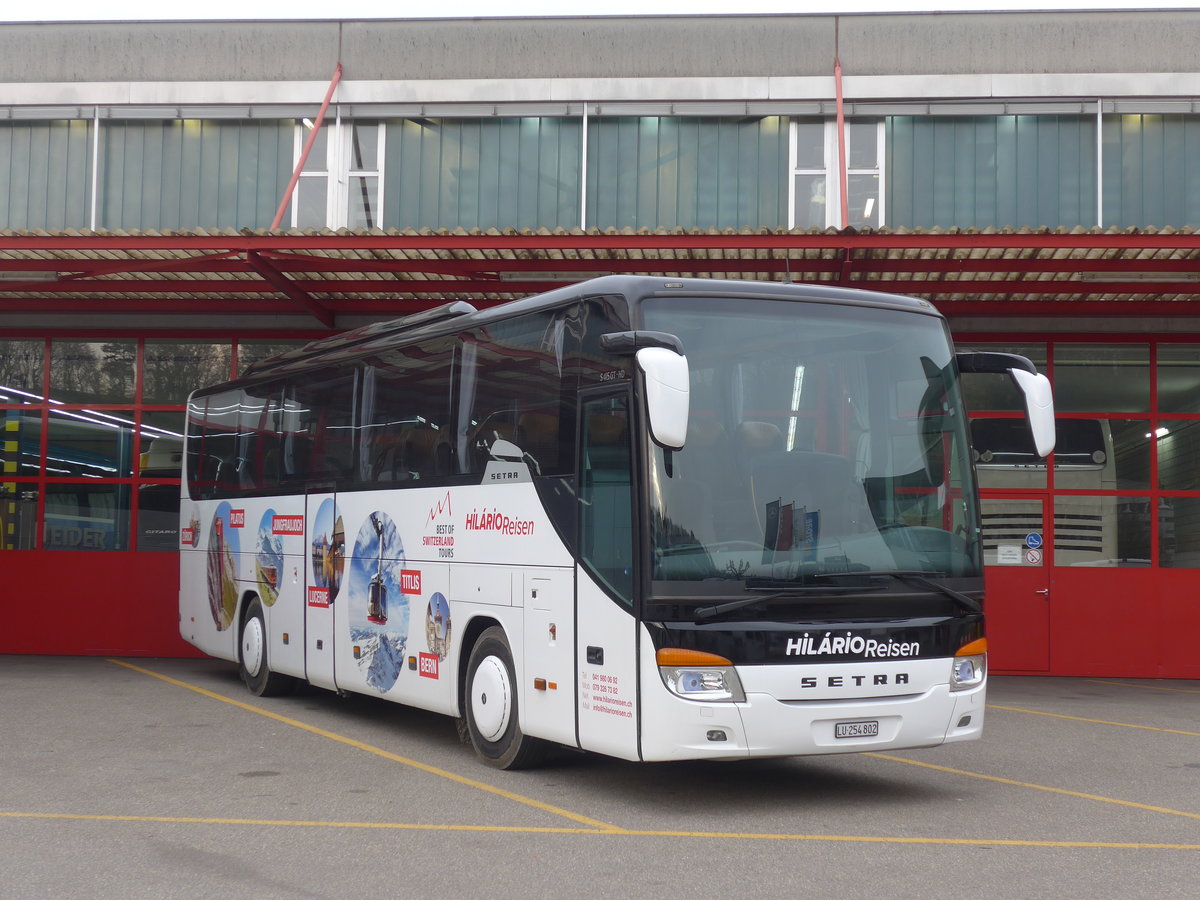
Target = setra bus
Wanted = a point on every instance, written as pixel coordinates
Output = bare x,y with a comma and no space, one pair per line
656,519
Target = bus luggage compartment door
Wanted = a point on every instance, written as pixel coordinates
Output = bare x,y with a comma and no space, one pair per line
550,655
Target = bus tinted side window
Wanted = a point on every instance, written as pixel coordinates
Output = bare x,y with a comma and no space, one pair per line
320,415
407,424
212,453
259,440
521,381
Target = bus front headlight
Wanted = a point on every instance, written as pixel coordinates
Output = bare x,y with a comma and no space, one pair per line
695,675
968,669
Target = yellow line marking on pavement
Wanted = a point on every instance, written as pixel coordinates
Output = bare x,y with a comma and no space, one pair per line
377,751
1038,787
1035,712
1146,687
609,832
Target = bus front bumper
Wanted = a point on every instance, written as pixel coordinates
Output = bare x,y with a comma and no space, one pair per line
763,726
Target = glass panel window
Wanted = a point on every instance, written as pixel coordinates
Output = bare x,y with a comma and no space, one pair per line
87,517
1102,377
364,146
1179,532
176,368
1005,525
363,202
21,370
18,515
863,193
1004,454
1089,454
1102,531
90,443
20,442
310,202
1131,442
809,208
318,154
252,351
1178,455
160,443
364,179
100,372
862,140
810,144
1179,378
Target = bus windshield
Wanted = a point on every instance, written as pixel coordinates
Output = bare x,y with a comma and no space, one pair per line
824,441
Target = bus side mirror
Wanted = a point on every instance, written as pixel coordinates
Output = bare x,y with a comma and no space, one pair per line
1035,387
667,394
1039,409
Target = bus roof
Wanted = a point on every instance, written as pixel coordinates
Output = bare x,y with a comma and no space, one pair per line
456,316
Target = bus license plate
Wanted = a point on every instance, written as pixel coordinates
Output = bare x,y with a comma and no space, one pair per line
856,729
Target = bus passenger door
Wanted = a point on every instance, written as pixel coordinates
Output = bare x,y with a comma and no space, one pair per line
325,565
606,651
1017,581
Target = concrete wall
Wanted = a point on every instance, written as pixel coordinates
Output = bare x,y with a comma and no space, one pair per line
611,47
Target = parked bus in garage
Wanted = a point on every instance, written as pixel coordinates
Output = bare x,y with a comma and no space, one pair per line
650,518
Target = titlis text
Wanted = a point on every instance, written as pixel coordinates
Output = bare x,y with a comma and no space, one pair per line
838,644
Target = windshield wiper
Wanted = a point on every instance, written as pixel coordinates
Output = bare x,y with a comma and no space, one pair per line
919,579
707,612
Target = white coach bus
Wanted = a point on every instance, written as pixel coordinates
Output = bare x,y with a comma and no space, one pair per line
649,518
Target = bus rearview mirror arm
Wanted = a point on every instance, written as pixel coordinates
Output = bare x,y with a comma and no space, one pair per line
665,369
1034,387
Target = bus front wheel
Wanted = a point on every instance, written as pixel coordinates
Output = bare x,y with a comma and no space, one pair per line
490,711
252,656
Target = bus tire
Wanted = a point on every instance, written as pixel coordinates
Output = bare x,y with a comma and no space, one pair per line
252,656
490,706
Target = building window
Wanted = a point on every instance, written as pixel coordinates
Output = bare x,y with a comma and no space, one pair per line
815,188
363,151
310,202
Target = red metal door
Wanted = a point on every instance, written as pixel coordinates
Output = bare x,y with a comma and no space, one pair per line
1017,571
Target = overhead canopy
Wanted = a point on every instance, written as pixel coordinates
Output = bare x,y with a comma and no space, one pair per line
384,274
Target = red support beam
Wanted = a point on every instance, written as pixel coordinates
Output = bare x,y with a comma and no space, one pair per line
280,282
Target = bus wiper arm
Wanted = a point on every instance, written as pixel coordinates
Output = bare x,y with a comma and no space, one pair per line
970,604
707,612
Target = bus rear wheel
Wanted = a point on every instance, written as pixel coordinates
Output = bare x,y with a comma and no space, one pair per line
490,707
252,656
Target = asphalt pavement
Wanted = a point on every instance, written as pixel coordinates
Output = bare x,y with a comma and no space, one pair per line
157,778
